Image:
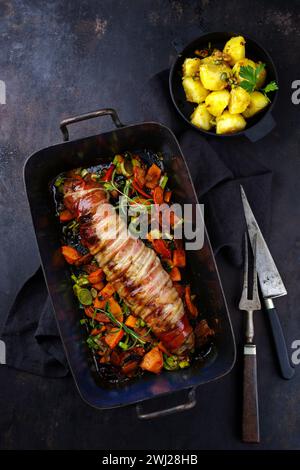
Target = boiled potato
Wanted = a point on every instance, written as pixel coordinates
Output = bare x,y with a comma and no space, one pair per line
244,63
261,78
215,56
213,77
239,100
194,90
202,118
229,123
241,63
217,101
258,101
235,48
190,67
214,83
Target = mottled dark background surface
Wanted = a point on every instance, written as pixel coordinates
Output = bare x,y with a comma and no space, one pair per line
66,57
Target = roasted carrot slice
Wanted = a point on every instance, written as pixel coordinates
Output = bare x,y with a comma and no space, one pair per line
99,286
70,254
115,309
180,289
153,361
96,276
189,303
100,317
84,259
139,176
99,303
107,291
161,248
158,195
115,358
153,176
179,258
175,274
167,196
130,367
113,338
131,321
66,216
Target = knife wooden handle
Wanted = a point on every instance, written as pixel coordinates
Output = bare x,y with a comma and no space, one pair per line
287,371
250,397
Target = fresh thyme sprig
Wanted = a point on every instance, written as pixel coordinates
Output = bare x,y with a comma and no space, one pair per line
111,186
122,325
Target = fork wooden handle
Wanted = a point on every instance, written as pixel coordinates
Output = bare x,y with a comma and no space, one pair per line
250,397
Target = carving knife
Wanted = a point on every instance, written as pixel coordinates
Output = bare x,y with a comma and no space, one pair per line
271,287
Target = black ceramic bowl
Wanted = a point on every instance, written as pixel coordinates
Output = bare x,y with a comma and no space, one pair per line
257,126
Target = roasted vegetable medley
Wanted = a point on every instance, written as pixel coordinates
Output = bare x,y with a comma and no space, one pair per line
228,87
124,340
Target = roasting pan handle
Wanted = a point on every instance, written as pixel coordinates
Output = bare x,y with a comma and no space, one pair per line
190,403
84,117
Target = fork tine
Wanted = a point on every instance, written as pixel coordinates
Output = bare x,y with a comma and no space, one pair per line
246,268
244,295
255,294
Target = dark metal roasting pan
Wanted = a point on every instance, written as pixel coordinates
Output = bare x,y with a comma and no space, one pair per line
40,169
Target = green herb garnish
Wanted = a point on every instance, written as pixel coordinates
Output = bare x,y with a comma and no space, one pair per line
272,86
127,330
111,186
170,362
59,180
250,76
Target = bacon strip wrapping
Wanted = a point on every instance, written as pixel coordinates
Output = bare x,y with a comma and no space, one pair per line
130,266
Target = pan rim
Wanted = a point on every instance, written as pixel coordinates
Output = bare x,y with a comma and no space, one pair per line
233,352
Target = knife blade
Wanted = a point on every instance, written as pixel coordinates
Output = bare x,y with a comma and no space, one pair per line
271,286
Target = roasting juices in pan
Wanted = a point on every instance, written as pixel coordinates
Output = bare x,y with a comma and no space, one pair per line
133,290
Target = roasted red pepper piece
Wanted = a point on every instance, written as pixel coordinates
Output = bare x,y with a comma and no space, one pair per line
189,303
139,189
109,172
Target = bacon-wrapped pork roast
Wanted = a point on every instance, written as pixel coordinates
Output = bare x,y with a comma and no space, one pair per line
130,266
